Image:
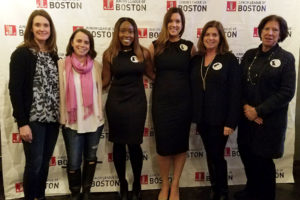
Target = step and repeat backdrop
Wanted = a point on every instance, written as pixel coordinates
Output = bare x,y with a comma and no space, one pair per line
240,19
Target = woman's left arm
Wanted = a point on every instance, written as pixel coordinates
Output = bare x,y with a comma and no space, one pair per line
286,91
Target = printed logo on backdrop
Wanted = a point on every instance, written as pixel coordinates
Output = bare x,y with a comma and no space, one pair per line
231,152
204,176
59,4
148,84
255,32
52,162
280,174
143,32
147,131
52,184
10,30
189,5
171,4
106,181
100,32
16,138
144,179
14,30
77,27
195,153
199,31
125,5
246,6
19,187
41,3
231,32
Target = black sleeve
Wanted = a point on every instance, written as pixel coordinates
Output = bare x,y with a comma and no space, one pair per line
286,91
17,75
234,96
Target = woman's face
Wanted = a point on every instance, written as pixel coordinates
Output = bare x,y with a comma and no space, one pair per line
175,25
40,29
211,39
81,44
270,34
126,34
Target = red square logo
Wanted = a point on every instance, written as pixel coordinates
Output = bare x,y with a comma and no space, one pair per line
255,32
146,85
171,4
144,179
199,31
110,157
52,161
199,176
41,3
19,187
142,32
231,6
227,151
10,30
146,131
108,4
77,27
16,138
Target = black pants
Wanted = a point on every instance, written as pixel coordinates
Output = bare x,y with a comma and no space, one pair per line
260,173
136,160
214,142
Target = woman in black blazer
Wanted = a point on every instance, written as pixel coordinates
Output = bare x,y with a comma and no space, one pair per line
268,85
215,80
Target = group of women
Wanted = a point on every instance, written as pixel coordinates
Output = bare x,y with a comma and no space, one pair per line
207,87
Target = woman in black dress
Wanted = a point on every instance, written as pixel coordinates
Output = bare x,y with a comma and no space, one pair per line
124,63
216,92
171,99
268,83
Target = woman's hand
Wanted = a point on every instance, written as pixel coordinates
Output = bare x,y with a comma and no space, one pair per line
25,133
250,112
228,131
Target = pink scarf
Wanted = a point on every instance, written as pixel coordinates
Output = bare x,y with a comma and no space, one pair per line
86,80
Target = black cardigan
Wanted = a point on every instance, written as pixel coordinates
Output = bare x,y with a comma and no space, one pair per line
270,96
219,104
22,69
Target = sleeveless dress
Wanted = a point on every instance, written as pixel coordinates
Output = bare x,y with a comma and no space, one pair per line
171,100
126,104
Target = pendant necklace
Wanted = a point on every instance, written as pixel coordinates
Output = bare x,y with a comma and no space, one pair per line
201,70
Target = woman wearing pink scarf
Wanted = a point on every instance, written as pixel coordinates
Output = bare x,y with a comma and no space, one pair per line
81,110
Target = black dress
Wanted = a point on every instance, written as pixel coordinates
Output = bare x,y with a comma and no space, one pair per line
126,104
171,102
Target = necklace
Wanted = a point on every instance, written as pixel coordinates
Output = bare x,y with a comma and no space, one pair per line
201,71
126,50
256,75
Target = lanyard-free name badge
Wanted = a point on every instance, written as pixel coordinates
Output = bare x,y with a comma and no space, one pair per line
217,66
183,47
275,63
134,59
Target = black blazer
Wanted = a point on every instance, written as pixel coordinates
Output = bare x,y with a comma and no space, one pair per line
22,69
219,103
271,94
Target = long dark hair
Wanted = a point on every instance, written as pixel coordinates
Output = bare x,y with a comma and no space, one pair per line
115,44
163,36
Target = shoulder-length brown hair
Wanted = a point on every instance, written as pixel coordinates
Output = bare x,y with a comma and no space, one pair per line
92,53
163,36
223,46
29,37
115,44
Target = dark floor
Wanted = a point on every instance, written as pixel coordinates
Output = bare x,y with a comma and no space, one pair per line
284,191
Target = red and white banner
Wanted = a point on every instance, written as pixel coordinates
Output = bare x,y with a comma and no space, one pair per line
240,20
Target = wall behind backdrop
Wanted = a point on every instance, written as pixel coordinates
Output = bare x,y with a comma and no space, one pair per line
240,19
